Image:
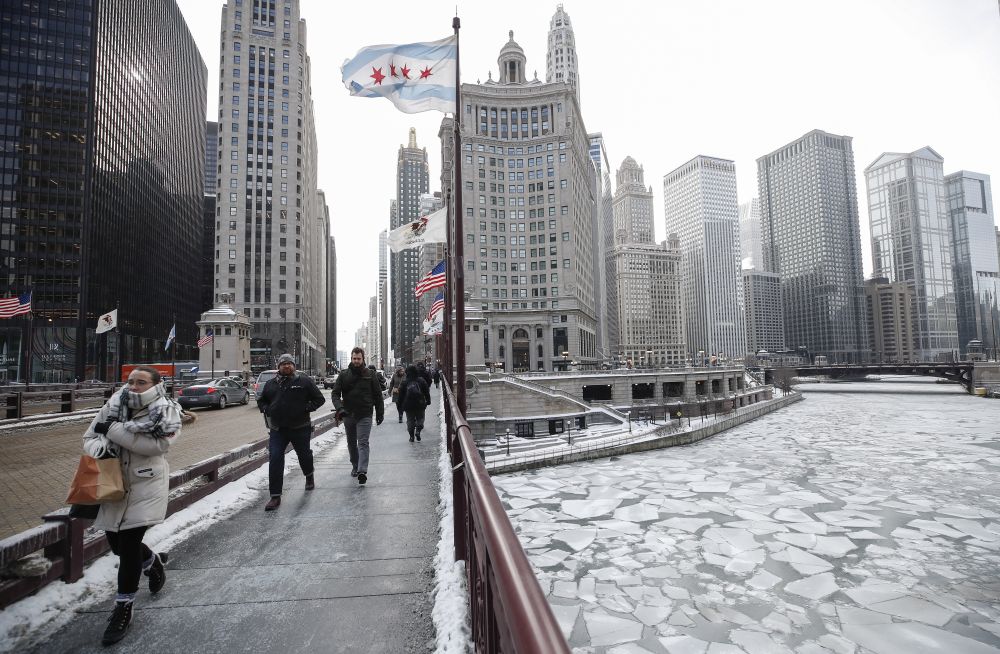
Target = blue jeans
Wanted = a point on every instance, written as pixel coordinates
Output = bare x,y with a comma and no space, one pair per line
357,441
276,446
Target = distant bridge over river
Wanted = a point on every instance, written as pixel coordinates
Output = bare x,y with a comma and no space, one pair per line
967,373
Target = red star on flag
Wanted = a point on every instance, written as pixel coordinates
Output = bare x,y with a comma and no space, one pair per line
425,73
392,70
377,75
405,71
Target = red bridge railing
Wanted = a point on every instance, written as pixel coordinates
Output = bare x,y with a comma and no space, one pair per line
508,609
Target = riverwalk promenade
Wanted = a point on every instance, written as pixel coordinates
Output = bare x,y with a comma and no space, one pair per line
342,568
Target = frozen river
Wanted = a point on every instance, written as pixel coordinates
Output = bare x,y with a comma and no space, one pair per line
864,519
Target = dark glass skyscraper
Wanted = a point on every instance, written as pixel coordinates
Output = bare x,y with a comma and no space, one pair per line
412,180
812,240
102,133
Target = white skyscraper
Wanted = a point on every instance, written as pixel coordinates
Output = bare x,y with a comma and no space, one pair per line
383,296
269,212
602,230
700,207
975,264
561,64
750,236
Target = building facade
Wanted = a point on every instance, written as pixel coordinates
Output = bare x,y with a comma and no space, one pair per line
911,242
269,213
602,229
528,196
412,181
890,320
812,240
650,303
383,297
632,206
208,216
974,252
424,346
561,64
331,309
700,207
102,130
751,237
764,318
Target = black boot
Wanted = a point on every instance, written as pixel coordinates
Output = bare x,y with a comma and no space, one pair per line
157,573
118,623
310,482
273,503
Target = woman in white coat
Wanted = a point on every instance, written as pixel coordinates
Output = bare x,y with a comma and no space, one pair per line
138,425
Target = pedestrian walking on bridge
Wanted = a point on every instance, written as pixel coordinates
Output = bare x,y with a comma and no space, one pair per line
137,425
414,398
355,393
286,402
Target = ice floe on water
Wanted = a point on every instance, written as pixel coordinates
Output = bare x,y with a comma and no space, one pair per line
845,524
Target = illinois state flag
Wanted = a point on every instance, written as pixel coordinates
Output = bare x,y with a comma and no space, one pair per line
432,228
413,76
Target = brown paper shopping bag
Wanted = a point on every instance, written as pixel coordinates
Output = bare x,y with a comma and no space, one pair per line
96,481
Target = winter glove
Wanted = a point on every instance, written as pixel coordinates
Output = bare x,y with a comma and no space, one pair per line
102,427
340,415
378,420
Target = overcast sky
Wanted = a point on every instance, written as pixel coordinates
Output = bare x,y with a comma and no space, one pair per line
664,81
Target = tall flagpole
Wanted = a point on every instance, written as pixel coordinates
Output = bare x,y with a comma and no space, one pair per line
121,342
458,267
173,358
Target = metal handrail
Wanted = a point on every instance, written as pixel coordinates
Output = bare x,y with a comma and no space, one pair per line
508,610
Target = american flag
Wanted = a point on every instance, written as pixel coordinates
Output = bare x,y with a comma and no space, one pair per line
15,306
433,279
207,338
437,305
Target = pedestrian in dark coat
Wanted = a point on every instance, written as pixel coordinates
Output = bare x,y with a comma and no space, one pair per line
286,402
395,386
415,397
437,377
355,393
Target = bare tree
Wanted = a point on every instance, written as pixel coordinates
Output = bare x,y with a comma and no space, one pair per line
783,379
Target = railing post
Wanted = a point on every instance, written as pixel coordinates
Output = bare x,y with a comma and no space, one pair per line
14,405
70,549
66,402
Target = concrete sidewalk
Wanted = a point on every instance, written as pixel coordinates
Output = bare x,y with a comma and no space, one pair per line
343,568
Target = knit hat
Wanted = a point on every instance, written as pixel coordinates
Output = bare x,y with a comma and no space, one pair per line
286,358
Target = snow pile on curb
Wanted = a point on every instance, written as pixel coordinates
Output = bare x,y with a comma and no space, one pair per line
34,618
451,597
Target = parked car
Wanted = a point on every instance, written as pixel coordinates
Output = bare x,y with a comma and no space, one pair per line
263,378
329,381
216,393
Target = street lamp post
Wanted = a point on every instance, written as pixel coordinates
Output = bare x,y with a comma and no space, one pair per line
508,441
628,414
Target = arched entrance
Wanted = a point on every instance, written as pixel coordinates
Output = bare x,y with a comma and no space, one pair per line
521,350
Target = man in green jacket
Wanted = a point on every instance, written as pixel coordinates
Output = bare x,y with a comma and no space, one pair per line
355,393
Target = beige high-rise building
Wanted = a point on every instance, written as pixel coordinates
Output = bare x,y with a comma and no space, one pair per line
890,319
528,202
650,303
269,214
632,206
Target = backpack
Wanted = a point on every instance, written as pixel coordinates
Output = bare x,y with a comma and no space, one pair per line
414,400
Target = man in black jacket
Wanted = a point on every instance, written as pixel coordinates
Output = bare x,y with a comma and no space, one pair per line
286,402
355,393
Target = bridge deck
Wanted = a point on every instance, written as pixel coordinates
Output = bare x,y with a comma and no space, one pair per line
342,568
